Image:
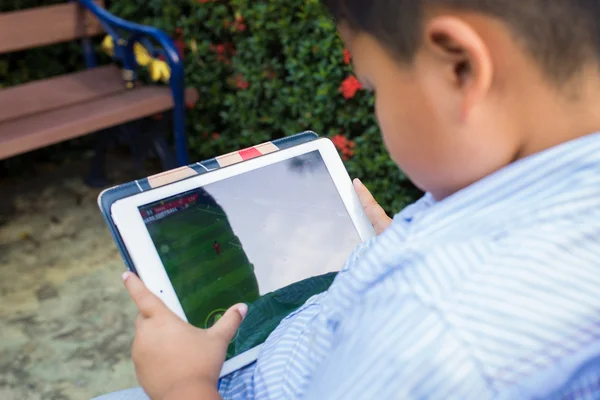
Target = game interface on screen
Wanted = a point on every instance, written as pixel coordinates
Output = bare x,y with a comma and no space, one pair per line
253,238
199,250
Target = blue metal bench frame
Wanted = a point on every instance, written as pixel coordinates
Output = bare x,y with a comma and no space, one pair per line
145,35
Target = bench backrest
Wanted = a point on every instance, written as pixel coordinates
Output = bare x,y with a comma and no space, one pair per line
36,27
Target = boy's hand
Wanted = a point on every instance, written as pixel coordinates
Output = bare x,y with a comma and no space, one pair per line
374,212
168,352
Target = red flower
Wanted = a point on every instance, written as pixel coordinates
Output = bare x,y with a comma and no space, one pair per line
344,145
339,141
180,45
350,86
241,83
224,52
205,134
215,135
239,23
347,57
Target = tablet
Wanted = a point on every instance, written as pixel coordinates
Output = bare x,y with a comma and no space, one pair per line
277,224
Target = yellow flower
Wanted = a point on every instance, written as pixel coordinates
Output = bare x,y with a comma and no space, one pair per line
108,45
159,71
142,56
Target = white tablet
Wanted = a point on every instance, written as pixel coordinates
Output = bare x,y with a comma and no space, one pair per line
242,232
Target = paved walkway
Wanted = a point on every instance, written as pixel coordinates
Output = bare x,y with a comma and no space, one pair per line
66,324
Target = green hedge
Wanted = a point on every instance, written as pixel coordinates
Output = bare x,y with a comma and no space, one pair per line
269,68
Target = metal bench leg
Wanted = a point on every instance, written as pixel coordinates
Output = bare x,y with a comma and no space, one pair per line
97,176
178,91
162,149
134,135
164,152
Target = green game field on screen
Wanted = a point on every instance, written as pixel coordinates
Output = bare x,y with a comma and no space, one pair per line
206,282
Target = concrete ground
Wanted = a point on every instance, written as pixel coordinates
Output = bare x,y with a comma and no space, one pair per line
66,323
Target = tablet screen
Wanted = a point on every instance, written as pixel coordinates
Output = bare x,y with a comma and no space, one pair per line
252,234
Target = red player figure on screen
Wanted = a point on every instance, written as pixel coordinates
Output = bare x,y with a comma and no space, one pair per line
217,247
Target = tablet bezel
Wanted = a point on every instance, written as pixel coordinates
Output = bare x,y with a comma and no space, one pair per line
129,222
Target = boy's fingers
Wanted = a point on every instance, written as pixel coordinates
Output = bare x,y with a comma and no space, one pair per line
147,303
379,219
138,321
228,325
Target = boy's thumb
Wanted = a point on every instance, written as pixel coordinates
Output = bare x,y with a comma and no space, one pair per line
227,326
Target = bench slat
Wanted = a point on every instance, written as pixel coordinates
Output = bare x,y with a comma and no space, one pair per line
33,132
40,26
66,90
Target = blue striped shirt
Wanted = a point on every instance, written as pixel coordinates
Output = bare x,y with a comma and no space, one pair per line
493,292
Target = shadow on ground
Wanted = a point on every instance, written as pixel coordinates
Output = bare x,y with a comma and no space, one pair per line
66,324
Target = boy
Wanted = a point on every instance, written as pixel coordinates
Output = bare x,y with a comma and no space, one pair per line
489,287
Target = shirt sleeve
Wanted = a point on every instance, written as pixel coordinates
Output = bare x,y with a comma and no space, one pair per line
398,348
238,385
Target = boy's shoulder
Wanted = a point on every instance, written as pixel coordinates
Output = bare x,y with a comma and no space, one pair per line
509,305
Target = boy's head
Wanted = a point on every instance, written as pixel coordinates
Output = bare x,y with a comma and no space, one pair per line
465,87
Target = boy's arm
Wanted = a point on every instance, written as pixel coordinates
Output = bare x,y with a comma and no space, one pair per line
193,389
394,346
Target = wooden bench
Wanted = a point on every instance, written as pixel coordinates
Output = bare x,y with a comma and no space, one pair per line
45,112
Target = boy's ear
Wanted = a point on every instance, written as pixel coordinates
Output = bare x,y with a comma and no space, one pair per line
464,57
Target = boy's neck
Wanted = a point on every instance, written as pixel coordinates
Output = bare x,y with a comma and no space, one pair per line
543,116
548,117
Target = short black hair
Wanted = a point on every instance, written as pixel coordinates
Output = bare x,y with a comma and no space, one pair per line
561,35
